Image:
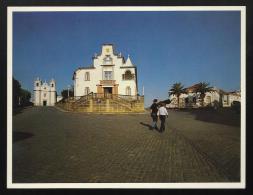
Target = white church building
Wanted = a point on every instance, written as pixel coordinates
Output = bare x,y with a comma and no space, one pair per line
109,74
44,93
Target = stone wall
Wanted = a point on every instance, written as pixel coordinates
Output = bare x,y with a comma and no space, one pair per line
104,106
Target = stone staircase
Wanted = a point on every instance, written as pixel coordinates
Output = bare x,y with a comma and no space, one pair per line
99,103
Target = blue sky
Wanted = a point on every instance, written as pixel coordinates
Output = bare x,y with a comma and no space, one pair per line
166,47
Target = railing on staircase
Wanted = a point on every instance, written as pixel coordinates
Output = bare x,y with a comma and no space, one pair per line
101,100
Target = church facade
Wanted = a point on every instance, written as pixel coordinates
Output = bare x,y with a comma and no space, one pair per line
44,93
108,75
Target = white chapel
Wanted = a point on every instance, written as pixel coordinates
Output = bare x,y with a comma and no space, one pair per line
44,93
109,74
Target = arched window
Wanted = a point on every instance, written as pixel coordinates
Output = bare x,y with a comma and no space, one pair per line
37,84
86,90
87,76
128,90
128,75
52,85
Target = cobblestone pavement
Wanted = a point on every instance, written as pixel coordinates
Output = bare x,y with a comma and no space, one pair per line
53,146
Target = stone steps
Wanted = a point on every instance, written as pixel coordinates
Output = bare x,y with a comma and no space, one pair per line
94,104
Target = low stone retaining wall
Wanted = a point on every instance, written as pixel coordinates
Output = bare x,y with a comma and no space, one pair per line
104,106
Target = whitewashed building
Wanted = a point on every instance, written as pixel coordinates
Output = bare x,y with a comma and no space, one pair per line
109,74
213,98
44,93
230,97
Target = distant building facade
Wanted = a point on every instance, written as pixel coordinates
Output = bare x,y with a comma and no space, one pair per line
216,97
109,74
44,93
230,97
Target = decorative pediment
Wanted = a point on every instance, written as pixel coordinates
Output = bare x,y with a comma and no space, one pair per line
107,60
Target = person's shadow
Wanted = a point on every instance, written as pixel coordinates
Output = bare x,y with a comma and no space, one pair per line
147,125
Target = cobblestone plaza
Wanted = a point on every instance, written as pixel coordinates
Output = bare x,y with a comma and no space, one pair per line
53,146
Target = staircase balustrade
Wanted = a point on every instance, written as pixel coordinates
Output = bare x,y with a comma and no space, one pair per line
100,101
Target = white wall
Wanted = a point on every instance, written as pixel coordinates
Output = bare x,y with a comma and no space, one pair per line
44,92
96,74
214,96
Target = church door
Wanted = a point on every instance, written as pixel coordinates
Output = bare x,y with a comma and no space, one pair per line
108,92
44,103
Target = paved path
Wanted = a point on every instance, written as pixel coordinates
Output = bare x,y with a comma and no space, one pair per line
54,146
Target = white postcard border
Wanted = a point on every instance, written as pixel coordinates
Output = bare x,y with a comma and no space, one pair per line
231,185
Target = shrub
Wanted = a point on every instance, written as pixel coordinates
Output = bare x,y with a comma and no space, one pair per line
236,106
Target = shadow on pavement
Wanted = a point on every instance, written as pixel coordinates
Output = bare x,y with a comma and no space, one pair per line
18,136
146,125
151,128
16,111
19,110
222,116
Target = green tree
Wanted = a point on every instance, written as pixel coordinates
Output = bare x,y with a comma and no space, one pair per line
21,97
64,93
16,88
203,88
177,89
25,97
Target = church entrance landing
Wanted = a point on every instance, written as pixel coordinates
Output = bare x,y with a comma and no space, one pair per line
107,88
106,100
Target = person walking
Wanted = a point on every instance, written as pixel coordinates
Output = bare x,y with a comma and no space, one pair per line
162,113
154,110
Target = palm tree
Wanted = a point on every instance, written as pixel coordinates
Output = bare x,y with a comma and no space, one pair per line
203,88
177,89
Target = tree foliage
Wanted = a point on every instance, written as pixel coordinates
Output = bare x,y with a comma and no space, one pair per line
203,88
177,89
21,97
25,97
65,92
16,91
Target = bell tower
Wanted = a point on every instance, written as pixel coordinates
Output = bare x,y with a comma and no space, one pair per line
52,92
37,91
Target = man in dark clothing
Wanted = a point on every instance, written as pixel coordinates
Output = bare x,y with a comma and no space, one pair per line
154,109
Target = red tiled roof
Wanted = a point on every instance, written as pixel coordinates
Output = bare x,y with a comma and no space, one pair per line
192,88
